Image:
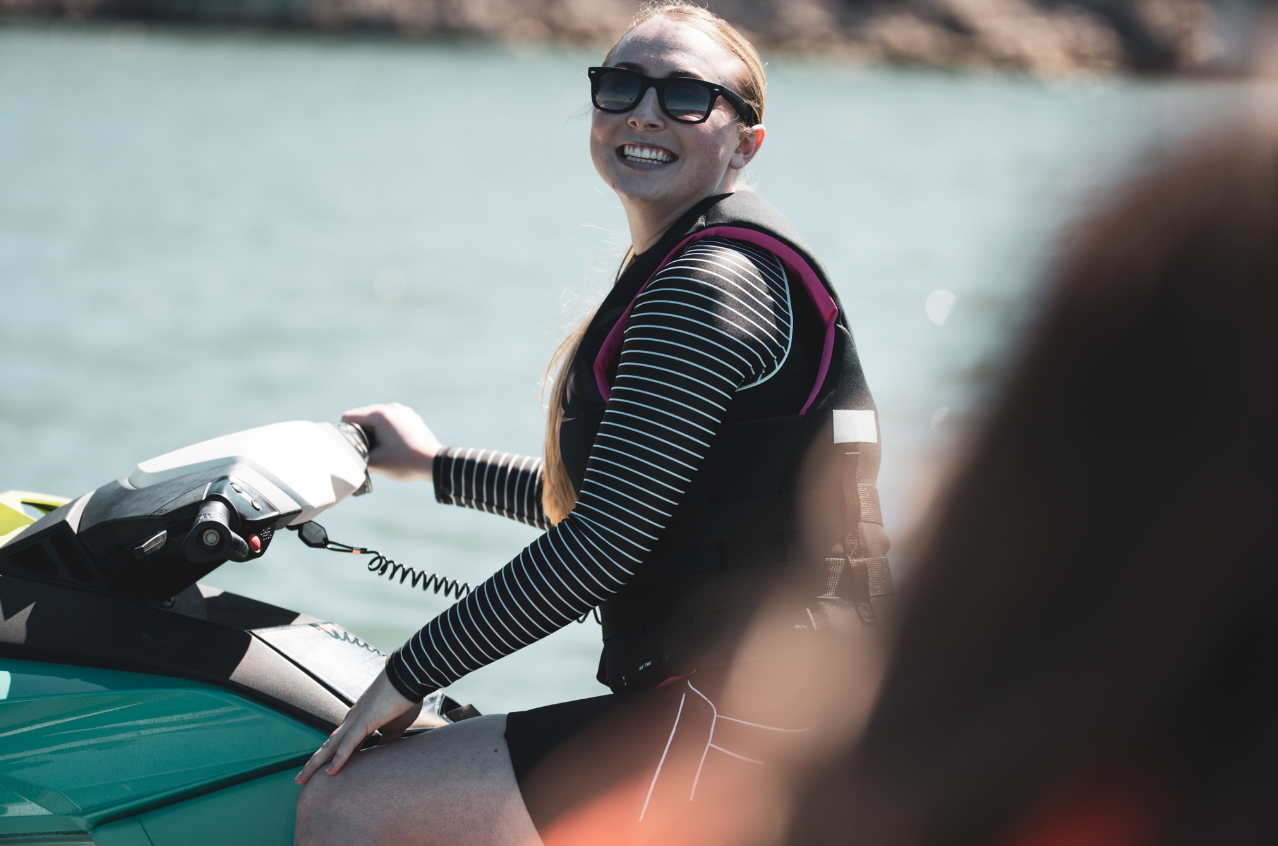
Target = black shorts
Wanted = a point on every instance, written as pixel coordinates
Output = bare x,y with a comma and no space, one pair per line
644,756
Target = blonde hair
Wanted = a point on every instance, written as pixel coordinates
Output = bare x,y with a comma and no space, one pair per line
753,88
558,496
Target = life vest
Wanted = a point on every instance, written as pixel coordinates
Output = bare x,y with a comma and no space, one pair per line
782,518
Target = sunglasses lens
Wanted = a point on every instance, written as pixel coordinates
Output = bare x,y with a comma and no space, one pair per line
616,92
688,101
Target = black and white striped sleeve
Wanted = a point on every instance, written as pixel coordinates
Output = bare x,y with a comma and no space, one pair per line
487,480
714,321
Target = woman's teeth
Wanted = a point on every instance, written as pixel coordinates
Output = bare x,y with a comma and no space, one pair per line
646,154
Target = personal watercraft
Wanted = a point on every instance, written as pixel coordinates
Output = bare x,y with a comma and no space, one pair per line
140,708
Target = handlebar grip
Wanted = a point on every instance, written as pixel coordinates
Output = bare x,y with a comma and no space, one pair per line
211,538
360,438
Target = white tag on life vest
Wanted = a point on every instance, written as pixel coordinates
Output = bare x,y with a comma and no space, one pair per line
855,427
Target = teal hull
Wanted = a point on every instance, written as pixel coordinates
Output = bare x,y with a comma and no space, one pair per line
129,759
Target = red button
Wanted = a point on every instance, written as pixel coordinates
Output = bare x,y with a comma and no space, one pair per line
255,543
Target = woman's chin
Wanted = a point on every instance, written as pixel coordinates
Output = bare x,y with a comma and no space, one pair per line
657,189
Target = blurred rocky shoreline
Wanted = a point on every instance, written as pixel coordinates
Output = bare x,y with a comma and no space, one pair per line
1039,36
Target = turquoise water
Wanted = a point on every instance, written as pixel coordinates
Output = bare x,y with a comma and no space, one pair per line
201,233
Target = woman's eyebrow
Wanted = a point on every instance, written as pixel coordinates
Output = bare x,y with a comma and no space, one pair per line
638,68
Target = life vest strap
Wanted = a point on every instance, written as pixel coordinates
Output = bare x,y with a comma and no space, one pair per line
858,581
863,578
827,309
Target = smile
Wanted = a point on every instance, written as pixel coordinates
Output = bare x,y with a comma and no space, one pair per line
647,155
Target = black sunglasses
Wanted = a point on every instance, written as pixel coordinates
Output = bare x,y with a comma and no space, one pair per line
685,99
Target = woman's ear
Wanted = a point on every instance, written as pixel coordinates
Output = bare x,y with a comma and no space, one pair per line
751,141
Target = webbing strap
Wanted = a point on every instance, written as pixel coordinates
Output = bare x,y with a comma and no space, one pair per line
871,510
854,577
869,577
851,505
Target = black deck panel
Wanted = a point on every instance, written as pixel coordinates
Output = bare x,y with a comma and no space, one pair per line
44,622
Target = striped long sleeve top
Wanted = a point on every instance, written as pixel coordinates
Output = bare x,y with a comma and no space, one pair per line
714,321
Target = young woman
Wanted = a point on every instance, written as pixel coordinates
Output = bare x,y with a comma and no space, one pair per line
710,458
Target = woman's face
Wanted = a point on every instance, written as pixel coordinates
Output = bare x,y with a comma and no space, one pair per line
684,162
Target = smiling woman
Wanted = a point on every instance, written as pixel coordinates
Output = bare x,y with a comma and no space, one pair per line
711,452
657,163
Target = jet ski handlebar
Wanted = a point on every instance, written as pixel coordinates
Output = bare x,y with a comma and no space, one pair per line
181,515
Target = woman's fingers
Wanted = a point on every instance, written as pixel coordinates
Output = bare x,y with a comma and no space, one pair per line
337,749
395,729
380,705
348,745
404,447
322,755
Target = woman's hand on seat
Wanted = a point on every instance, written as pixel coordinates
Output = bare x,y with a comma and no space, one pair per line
381,706
404,447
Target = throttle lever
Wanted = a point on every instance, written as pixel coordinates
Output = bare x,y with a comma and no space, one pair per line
211,538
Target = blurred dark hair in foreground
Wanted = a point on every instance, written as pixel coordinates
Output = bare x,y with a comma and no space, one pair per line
1088,652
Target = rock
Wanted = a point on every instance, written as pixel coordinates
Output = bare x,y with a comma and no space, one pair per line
1040,36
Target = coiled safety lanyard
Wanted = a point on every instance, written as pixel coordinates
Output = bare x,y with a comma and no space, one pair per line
314,535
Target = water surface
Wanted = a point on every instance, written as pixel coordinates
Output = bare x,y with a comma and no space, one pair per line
206,232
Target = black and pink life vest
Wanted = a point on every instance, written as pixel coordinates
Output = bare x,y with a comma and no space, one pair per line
783,515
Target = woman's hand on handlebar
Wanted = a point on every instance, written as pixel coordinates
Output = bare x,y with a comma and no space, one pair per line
404,447
381,706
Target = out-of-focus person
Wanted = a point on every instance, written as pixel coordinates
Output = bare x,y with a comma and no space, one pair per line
1088,648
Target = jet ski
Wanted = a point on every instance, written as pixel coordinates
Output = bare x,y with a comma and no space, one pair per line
141,708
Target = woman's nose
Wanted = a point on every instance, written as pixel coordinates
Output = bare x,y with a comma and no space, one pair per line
647,114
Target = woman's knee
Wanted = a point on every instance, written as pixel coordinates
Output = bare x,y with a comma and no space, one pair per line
454,784
314,812
326,813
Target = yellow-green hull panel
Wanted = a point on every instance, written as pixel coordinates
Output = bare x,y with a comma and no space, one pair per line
14,518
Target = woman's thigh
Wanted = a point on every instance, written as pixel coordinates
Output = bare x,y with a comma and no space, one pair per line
451,785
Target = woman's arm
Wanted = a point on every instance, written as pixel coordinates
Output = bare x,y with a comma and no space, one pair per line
714,320
404,448
487,480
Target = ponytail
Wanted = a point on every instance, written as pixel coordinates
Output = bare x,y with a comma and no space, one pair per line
557,494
